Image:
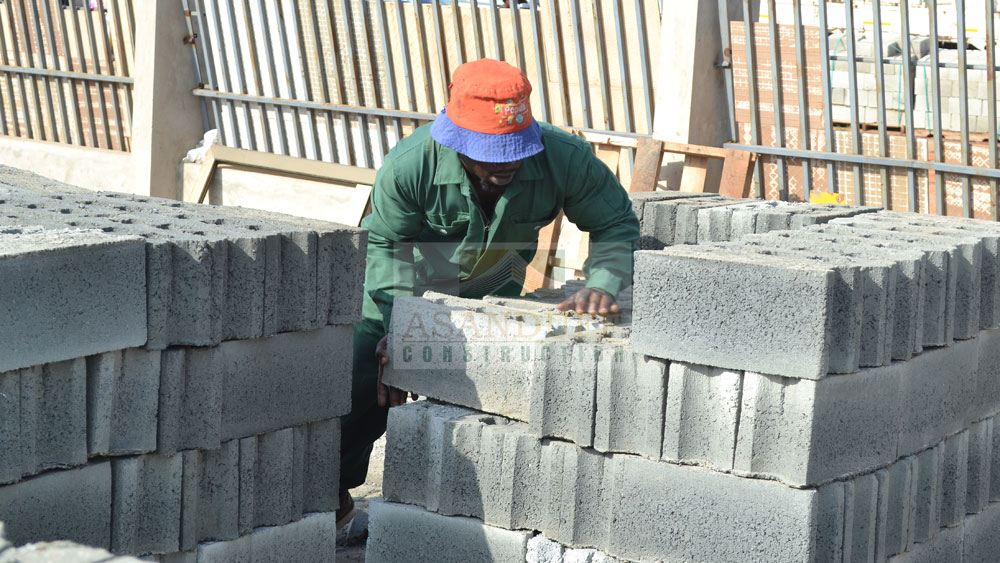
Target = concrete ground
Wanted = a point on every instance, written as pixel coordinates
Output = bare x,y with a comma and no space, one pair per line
372,489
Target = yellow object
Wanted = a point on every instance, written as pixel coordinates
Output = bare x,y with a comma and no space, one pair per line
826,197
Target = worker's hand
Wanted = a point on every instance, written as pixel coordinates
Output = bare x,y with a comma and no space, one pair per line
394,397
590,300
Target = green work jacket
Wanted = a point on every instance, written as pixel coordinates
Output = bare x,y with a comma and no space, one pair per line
427,232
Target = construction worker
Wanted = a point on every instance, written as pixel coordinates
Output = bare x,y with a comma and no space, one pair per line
456,208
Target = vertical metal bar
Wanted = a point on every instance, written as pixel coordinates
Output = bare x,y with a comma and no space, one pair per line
112,88
376,88
91,112
310,94
907,70
130,15
852,78
442,46
624,69
477,30
67,45
963,105
29,128
647,84
581,64
345,120
727,64
54,47
123,63
286,58
31,64
800,67
991,99
390,68
405,46
227,83
240,80
456,11
831,140
602,64
353,56
936,97
776,85
207,48
543,79
92,36
883,136
269,56
751,49
563,75
254,69
515,21
325,81
43,61
418,15
497,36
10,100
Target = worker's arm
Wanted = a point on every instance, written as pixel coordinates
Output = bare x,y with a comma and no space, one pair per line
597,204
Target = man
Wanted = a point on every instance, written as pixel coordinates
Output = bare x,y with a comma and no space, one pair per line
456,208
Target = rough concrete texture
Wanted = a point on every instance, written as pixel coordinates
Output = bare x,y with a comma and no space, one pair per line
312,538
68,293
630,405
945,546
56,552
53,415
657,222
399,534
986,396
248,387
215,273
702,415
146,504
977,493
980,540
954,472
901,482
926,495
10,426
60,505
122,401
681,290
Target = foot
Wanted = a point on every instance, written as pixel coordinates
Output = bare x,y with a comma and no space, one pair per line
346,511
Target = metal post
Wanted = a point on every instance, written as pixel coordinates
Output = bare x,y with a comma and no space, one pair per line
907,70
883,136
963,104
778,110
831,140
936,97
800,68
751,49
991,99
852,76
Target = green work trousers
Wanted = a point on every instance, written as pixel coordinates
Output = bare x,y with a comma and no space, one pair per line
366,421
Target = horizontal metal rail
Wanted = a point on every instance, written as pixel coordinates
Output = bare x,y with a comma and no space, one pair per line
871,160
68,75
318,106
919,62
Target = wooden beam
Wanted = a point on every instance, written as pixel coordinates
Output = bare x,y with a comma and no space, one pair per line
737,174
648,160
539,272
695,171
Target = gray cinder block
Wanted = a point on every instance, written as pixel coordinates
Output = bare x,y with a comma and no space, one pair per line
656,228
53,416
218,493
69,505
701,417
68,294
807,432
899,515
543,550
190,493
977,494
277,478
122,401
312,538
401,534
954,474
576,481
146,504
980,541
927,495
247,280
631,394
830,520
10,426
680,290
986,398
321,478
190,399
564,400
995,464
946,545
861,496
687,214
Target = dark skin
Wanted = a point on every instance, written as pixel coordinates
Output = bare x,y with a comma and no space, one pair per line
490,179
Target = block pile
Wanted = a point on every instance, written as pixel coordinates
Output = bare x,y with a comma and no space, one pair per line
826,393
171,375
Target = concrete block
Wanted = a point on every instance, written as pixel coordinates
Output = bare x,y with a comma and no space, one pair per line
702,414
935,393
631,397
945,546
576,481
830,520
861,496
543,550
954,472
510,469
247,279
321,478
69,294
246,515
190,492
313,538
10,426
69,505
995,464
285,380
460,492
898,522
687,213
564,401
277,478
53,416
980,541
720,517
296,302
218,493
986,396
146,504
927,495
190,399
657,222
714,224
400,534
807,432
346,249
977,493
740,292
198,268
122,401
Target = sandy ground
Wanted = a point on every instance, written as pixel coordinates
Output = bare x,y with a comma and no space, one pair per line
372,489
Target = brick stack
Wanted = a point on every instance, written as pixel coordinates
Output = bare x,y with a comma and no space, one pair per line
172,375
820,394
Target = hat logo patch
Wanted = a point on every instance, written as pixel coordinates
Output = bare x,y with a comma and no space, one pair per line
512,112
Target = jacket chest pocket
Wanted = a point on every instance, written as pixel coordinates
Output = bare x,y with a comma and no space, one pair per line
527,228
445,226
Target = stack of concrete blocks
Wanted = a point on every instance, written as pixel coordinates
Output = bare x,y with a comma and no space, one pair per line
951,94
172,375
820,394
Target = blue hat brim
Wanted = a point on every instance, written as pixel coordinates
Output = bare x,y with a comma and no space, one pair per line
488,147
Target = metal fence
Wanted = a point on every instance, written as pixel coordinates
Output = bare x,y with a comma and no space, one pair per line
343,81
908,123
65,71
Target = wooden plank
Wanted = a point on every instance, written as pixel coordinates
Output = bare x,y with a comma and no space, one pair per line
737,174
609,155
693,177
648,160
694,150
539,272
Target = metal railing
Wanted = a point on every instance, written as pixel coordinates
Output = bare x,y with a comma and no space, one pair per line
343,81
65,71
884,137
